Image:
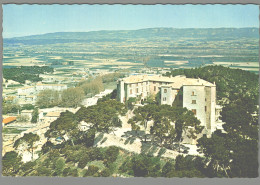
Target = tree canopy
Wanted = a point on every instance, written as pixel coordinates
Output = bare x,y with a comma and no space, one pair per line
48,98
28,139
169,123
103,116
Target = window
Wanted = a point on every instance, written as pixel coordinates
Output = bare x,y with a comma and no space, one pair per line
130,85
131,92
165,90
164,99
146,83
205,99
136,90
193,93
194,111
193,102
154,88
142,89
205,108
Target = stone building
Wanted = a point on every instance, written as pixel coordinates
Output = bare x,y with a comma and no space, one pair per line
197,95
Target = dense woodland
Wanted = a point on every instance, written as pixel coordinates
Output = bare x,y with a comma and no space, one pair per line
23,73
233,153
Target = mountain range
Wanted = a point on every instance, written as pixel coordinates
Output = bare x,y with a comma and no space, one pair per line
147,34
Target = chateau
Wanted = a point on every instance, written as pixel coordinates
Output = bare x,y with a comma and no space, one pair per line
197,95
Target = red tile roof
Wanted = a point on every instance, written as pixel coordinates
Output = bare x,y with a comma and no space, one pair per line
8,120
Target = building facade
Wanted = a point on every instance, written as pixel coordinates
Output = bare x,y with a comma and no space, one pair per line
196,95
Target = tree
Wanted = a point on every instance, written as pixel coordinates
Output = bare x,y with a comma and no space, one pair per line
43,171
169,123
235,152
87,137
27,168
48,98
59,166
28,139
187,124
47,147
72,97
92,86
167,168
144,166
105,173
35,115
10,163
10,107
110,96
27,107
92,170
102,117
130,103
163,128
65,125
142,115
111,154
70,172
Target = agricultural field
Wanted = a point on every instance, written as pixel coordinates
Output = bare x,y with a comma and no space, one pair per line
129,52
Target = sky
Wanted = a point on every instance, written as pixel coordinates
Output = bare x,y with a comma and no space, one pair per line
23,20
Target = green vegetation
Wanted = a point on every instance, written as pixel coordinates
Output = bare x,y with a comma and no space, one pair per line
48,98
92,86
234,153
102,117
73,160
20,74
169,123
10,107
112,77
35,115
29,140
229,154
72,97
11,131
10,163
231,83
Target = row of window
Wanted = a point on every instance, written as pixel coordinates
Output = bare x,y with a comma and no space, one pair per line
160,83
137,90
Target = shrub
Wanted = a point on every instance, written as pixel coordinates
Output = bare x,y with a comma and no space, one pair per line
43,171
105,173
144,166
168,167
70,172
83,161
111,154
91,170
59,166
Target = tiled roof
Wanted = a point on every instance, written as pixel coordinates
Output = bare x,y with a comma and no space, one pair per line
9,119
50,85
175,82
53,114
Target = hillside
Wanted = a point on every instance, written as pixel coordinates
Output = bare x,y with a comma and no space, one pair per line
206,34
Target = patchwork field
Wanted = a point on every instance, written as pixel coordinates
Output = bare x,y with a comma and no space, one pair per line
126,50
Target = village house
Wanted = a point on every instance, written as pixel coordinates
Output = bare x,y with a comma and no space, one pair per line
56,87
8,120
196,95
27,113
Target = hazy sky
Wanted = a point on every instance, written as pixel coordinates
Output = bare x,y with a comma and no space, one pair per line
22,20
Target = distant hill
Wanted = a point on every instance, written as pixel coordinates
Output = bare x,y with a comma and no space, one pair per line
149,33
